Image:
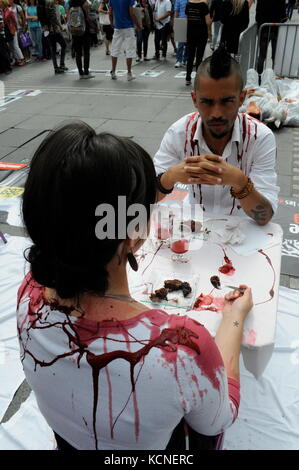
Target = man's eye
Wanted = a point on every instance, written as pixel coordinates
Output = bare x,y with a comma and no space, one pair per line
209,102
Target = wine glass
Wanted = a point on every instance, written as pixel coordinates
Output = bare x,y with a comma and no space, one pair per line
162,226
180,242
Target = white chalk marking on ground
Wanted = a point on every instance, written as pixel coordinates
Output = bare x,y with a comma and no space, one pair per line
34,93
183,75
18,94
151,74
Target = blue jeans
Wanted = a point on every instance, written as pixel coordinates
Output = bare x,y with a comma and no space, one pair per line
36,37
182,52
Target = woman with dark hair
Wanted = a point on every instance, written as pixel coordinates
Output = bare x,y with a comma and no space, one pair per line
81,43
108,372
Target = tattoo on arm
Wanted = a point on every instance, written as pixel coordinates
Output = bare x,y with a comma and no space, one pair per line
259,214
236,323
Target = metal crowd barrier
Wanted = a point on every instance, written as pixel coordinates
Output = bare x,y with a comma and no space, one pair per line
248,49
286,61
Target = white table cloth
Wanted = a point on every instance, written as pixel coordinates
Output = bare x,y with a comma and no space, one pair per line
257,264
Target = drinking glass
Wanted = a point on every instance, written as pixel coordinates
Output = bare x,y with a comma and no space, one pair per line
179,243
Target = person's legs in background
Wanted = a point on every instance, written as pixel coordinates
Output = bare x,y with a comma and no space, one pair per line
139,45
191,46
263,48
78,47
16,51
274,37
164,39
116,46
36,37
217,26
145,36
55,38
290,8
158,36
86,53
46,47
185,54
210,32
179,56
60,40
5,66
200,50
130,48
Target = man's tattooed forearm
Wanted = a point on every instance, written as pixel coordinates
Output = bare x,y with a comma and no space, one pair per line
260,213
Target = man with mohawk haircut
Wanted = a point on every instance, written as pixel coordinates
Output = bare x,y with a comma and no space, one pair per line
227,158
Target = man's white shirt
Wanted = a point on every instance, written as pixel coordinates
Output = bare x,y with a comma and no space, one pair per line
251,140
161,7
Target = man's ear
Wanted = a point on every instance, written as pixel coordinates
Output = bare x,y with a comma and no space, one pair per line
193,96
242,96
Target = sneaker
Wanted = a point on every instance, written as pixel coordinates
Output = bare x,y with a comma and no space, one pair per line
63,67
87,76
58,71
113,75
107,52
178,65
156,57
138,59
146,59
188,82
130,77
20,63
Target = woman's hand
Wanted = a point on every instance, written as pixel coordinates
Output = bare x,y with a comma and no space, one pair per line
238,305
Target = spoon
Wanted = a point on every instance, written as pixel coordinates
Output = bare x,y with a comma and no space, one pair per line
215,281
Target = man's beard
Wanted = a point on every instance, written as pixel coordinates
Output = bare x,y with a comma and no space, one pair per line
219,136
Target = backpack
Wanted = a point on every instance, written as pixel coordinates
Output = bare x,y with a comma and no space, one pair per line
77,23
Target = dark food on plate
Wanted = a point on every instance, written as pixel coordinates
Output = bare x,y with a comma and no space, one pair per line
186,288
159,294
170,286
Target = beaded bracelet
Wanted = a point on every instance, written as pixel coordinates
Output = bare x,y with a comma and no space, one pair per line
244,192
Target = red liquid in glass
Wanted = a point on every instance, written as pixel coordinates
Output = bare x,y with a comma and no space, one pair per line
180,246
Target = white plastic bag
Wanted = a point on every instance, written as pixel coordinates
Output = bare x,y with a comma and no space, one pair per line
292,118
288,88
269,82
278,115
252,79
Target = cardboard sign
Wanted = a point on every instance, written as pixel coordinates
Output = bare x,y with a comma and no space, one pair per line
180,29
